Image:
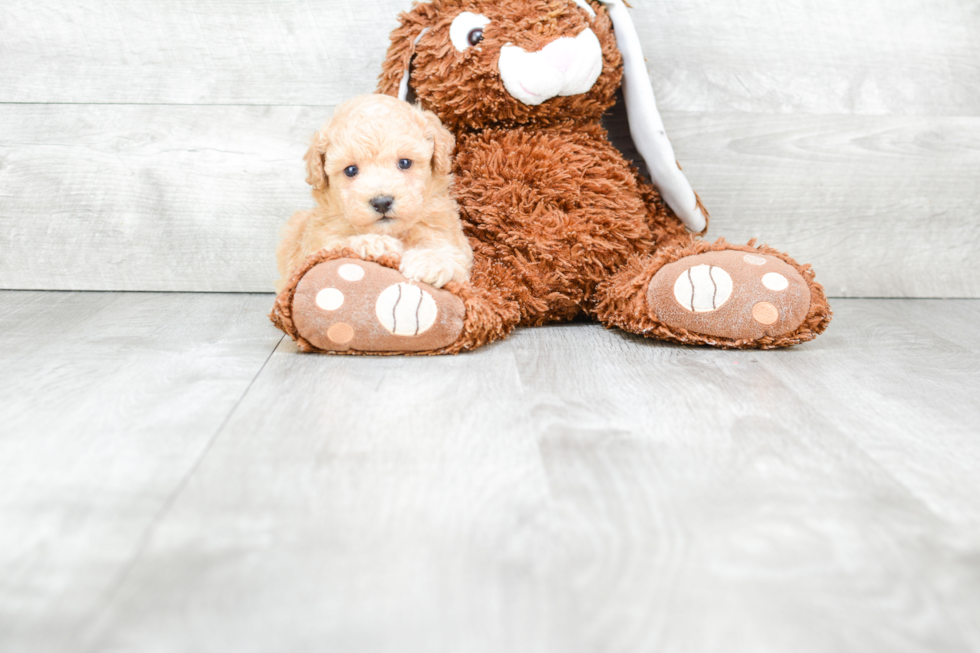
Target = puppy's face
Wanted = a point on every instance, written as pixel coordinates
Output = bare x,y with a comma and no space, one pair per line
378,162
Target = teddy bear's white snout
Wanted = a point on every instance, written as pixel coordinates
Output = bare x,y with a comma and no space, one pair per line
566,66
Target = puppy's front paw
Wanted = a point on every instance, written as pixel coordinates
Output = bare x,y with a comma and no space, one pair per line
374,246
429,266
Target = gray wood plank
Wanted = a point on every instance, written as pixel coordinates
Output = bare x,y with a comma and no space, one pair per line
772,489
388,454
917,412
190,52
149,197
882,207
109,400
574,489
878,57
191,198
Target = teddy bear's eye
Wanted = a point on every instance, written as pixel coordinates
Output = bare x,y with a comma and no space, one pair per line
467,30
351,171
404,164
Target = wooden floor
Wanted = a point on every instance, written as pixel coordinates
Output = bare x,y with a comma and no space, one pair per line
174,477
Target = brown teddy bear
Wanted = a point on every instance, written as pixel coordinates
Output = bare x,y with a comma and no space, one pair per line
560,223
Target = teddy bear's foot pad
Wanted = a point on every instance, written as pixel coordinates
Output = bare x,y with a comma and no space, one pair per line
354,305
730,294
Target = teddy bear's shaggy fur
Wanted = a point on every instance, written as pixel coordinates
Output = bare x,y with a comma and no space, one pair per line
560,223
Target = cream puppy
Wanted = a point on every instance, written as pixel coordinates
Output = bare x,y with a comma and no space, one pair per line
381,172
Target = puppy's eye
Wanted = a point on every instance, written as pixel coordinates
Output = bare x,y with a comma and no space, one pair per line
467,30
405,164
351,171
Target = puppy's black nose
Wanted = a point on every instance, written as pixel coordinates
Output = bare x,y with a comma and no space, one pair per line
382,203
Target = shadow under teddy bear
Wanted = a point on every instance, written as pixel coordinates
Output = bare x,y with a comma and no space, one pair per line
560,223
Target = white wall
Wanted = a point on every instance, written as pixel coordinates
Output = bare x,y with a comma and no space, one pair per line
157,145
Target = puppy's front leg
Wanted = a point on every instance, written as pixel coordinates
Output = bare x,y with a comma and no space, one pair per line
371,245
435,266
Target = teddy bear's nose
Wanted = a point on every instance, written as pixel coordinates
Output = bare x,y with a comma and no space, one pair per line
561,54
566,66
382,203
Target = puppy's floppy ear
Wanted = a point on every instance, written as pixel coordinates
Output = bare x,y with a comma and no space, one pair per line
396,69
443,144
316,176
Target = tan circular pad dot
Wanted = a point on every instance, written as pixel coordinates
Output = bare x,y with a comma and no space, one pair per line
752,259
765,313
330,299
775,281
340,333
351,272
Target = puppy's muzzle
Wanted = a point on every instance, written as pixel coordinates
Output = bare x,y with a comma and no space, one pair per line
382,204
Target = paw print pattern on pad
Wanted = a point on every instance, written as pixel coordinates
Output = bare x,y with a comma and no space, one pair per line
730,294
406,310
351,305
703,288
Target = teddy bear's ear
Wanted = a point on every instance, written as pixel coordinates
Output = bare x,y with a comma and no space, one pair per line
646,126
397,67
316,175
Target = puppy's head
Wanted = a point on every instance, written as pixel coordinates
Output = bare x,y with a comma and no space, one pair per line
379,162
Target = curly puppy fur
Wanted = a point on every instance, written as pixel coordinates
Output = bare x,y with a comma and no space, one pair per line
373,136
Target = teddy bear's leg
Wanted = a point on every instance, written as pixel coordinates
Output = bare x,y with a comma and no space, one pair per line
739,296
338,302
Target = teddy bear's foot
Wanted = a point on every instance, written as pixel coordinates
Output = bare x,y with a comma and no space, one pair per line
351,305
733,297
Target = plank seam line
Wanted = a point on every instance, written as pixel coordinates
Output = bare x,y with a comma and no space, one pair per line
956,298
174,104
672,112
161,292
147,534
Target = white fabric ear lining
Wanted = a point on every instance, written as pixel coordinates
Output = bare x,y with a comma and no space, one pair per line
403,87
646,125
584,4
